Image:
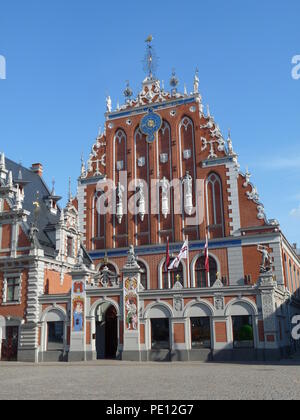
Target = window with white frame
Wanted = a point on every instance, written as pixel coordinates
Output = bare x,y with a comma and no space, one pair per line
12,289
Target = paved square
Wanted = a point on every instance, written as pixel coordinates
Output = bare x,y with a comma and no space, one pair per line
163,381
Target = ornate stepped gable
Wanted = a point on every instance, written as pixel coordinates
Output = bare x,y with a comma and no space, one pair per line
179,111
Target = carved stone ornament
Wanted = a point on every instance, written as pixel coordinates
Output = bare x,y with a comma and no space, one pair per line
187,154
178,286
164,158
120,165
141,161
218,284
219,303
178,304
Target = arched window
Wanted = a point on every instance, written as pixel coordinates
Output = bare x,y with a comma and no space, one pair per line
214,200
144,275
120,223
120,145
187,159
171,277
142,172
98,222
201,276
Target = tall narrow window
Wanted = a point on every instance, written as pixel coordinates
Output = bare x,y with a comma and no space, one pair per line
70,247
170,278
187,161
99,221
202,278
144,275
13,290
120,165
214,200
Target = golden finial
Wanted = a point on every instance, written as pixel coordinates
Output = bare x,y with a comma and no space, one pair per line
149,39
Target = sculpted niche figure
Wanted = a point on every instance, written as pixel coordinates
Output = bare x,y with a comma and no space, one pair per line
188,193
266,259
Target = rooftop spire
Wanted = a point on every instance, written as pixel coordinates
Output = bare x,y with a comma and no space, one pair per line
53,187
150,61
70,190
2,161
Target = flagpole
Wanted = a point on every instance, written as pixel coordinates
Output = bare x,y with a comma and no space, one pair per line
188,263
208,273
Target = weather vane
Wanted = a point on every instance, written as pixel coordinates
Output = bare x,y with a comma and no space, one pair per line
150,60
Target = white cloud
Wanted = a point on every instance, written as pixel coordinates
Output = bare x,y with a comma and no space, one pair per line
295,213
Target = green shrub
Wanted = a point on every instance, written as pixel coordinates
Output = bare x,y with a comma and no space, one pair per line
246,333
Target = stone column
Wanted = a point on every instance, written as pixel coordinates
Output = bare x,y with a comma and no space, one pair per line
131,286
77,351
267,286
29,330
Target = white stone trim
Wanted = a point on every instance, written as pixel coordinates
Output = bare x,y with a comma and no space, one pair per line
233,196
236,266
8,276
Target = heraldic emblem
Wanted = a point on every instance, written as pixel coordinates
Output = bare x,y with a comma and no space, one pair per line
150,125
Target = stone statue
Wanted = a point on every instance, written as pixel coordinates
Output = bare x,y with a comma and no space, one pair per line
80,262
266,259
165,197
142,203
196,82
131,255
108,104
33,237
230,146
188,193
120,192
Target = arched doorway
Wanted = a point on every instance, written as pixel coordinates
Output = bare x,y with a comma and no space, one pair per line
107,332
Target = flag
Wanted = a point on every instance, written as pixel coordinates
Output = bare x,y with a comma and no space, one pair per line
167,263
183,254
206,255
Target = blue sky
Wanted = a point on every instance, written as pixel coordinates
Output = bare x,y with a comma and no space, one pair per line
64,57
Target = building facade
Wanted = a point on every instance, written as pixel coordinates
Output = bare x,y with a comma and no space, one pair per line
91,281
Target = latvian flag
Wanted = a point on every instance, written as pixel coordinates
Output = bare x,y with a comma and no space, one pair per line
183,254
206,255
167,263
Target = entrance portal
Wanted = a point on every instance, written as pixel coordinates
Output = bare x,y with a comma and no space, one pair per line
9,347
107,334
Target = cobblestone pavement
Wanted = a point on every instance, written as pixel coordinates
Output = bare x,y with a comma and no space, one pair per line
163,381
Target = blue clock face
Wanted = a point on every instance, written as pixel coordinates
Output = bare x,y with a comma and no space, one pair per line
150,125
